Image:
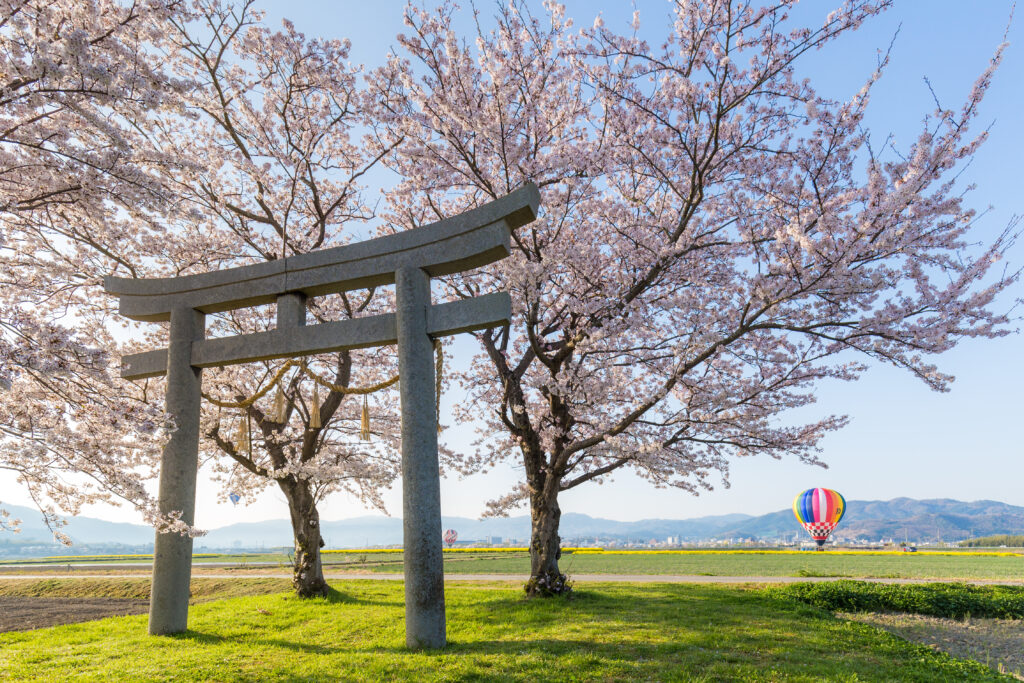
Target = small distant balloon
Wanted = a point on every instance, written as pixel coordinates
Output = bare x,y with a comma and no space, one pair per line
234,497
450,537
819,511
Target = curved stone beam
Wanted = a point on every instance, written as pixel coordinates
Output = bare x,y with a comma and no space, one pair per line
467,315
469,240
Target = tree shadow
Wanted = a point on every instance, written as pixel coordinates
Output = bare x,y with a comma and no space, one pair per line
553,646
202,638
336,597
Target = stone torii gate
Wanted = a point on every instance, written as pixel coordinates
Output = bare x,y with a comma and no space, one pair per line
407,259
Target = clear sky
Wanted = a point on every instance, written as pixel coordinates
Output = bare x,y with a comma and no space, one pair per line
904,440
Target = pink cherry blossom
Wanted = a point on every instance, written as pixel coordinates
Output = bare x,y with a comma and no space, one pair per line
715,238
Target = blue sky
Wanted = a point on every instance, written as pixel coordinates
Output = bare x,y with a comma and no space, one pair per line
904,440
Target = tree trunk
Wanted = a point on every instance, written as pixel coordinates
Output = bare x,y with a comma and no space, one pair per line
545,578
307,572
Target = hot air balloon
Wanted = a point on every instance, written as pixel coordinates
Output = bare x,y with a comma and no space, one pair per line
819,511
234,497
450,537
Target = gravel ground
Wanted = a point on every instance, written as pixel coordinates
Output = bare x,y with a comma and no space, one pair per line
999,643
22,614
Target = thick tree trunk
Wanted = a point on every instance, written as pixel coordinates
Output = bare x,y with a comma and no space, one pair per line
545,550
307,572
544,476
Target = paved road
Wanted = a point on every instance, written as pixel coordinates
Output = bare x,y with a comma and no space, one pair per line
513,578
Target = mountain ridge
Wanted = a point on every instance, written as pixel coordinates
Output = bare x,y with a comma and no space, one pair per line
899,519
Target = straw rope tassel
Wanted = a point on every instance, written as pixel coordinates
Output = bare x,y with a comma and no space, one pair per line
314,409
364,427
279,409
243,442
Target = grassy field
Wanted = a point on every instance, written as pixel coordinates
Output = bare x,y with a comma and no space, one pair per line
923,565
606,632
915,565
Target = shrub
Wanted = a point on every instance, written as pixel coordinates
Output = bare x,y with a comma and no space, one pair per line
1010,541
949,600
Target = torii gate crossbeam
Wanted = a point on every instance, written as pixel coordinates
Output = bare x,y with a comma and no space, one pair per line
407,259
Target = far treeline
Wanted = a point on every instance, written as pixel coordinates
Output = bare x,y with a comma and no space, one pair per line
1010,541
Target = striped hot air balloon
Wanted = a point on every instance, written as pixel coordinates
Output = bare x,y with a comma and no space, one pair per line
819,511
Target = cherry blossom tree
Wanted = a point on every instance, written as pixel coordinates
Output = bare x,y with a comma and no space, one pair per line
715,238
252,159
272,168
77,79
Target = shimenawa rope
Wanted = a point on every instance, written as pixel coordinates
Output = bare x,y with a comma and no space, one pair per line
279,411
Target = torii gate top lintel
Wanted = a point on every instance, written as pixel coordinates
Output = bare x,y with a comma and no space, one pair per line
468,240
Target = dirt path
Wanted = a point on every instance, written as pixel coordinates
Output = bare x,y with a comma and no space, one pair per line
23,614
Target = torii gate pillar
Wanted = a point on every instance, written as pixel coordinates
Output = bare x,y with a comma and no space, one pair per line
421,488
172,553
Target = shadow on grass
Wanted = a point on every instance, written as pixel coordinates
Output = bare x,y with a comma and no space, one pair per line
202,638
657,599
337,597
681,608
561,647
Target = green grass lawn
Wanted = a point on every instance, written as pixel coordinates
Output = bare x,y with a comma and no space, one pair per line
606,632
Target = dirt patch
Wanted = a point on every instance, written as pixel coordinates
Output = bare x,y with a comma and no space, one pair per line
998,643
23,614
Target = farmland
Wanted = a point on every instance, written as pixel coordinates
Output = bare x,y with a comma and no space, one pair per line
1003,565
853,565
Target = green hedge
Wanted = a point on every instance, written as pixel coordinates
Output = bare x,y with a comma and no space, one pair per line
950,600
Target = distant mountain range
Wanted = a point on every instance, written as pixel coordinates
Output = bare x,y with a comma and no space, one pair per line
915,520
